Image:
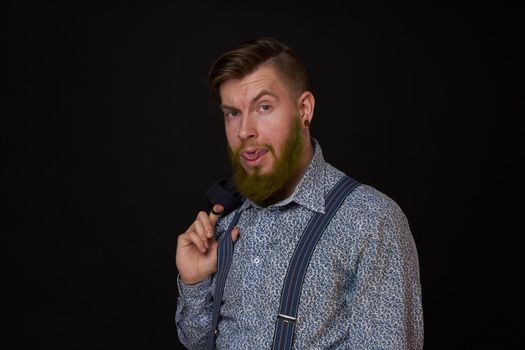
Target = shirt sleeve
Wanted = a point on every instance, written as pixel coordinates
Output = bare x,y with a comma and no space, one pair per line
195,306
194,312
386,303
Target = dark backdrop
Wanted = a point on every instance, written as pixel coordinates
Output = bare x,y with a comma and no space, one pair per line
110,140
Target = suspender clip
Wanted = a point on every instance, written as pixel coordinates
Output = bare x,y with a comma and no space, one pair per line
287,318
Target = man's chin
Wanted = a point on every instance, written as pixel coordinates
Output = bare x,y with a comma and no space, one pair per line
255,170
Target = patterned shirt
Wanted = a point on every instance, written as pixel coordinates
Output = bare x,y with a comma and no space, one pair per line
361,289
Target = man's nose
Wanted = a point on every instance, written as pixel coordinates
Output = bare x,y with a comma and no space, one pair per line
248,127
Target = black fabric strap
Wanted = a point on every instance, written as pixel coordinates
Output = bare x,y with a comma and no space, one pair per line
223,192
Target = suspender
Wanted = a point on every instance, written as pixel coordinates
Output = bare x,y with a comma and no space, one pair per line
224,260
285,324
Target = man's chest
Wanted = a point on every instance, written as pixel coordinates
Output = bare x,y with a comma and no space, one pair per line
263,253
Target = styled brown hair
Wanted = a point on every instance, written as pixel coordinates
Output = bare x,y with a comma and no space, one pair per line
250,55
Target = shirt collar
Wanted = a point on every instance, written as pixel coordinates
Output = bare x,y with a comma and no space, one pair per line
310,190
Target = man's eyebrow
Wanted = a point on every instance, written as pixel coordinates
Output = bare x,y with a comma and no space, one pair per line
262,93
224,106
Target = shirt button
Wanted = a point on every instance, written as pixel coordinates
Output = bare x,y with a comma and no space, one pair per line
256,260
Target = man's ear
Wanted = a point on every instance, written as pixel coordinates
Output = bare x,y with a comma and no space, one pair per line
306,104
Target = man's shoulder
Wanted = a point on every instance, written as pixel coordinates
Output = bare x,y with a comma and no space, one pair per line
366,206
369,214
372,204
364,197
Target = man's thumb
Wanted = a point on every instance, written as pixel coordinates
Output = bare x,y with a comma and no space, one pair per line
215,213
235,234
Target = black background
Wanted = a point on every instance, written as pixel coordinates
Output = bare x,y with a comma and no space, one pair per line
111,140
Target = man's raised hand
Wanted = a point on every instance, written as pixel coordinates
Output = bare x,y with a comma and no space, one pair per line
196,254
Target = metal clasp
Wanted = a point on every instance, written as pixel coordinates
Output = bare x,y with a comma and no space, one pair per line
287,318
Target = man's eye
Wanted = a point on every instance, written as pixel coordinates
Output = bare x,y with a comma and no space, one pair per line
231,114
265,108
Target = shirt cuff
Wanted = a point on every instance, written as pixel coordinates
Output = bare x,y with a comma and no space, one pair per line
197,291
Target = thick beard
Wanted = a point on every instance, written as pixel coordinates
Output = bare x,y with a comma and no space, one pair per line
261,188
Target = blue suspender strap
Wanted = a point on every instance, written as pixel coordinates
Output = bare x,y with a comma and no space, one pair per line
285,324
224,260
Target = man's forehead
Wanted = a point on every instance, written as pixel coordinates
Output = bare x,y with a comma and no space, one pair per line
248,88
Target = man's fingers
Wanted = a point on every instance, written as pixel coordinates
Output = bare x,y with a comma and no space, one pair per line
203,218
235,234
215,213
201,232
197,241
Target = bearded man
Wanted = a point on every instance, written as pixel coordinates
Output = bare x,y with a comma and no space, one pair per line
311,259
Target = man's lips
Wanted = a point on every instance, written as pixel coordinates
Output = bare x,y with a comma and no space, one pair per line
251,156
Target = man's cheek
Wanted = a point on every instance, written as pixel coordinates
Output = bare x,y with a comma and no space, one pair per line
270,162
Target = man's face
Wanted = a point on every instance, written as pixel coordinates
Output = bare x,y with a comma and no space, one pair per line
259,111
262,126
